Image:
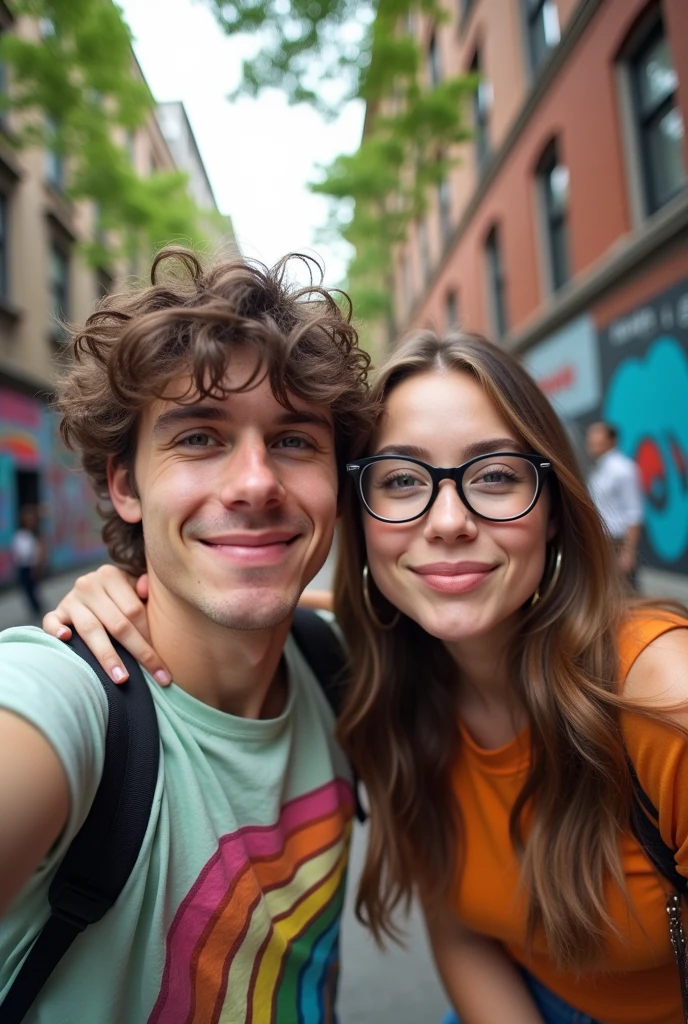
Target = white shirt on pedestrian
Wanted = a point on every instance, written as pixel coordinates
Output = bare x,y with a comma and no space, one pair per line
26,549
616,490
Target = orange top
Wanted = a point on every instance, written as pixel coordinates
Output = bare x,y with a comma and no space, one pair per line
638,981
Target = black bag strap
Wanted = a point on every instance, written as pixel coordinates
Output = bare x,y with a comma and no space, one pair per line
322,649
102,855
645,827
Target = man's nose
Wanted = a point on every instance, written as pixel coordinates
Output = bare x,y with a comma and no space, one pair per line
250,478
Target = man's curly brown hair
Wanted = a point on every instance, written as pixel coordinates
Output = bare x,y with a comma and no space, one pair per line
188,321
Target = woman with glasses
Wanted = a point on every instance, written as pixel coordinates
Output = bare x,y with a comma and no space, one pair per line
501,688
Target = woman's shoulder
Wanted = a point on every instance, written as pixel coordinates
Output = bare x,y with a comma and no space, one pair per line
653,657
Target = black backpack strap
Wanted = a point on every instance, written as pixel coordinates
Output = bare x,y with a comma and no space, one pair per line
322,649
645,827
102,855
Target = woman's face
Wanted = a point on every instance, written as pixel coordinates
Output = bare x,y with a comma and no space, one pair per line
458,576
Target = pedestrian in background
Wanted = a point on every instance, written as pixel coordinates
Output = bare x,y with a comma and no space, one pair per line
28,556
615,488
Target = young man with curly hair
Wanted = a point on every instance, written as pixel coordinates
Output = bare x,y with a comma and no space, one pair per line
214,413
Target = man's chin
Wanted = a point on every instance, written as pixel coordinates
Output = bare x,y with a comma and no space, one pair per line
251,614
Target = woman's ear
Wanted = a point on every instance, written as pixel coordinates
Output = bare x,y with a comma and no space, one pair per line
122,495
552,528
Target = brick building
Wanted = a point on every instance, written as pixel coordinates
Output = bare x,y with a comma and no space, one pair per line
43,280
563,231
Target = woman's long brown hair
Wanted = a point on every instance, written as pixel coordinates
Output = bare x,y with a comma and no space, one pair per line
400,724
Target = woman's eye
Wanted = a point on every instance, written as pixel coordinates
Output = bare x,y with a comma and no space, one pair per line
404,480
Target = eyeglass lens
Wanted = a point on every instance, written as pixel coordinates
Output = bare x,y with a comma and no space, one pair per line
497,488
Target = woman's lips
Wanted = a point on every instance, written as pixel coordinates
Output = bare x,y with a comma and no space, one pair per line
454,577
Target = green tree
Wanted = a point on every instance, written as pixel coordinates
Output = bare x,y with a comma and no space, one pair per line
77,94
325,52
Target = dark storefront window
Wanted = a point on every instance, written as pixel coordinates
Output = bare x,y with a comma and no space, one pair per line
481,114
659,122
496,282
542,30
553,182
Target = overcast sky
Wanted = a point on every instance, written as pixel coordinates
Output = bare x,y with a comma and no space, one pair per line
260,154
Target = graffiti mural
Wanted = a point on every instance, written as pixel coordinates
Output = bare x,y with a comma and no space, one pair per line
644,361
30,444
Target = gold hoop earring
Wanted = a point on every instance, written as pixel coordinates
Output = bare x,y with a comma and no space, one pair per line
372,614
552,582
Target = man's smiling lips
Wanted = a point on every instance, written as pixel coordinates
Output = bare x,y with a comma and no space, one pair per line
453,577
251,548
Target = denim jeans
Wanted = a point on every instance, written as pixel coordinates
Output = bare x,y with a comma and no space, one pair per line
553,1009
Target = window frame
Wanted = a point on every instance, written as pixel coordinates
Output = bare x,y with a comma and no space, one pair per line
496,282
555,223
63,313
533,16
481,119
644,121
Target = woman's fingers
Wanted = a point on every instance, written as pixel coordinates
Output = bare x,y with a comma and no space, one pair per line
105,602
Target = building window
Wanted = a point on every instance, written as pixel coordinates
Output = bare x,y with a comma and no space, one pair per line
465,8
104,282
482,102
407,281
542,30
452,311
4,248
424,249
59,288
434,66
496,284
659,123
444,205
54,159
553,186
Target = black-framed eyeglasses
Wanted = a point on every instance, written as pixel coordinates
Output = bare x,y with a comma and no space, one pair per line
500,486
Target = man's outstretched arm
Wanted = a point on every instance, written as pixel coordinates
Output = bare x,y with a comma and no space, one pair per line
34,802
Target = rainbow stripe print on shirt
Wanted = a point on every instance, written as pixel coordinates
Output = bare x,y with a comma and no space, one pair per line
256,939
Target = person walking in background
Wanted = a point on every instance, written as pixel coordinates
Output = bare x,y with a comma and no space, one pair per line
28,556
615,488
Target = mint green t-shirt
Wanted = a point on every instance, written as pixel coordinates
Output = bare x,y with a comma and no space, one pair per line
232,911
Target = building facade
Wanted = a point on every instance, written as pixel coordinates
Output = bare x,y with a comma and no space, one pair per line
562,231
43,281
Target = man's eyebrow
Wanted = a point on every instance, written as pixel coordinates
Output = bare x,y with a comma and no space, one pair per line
292,418
491,444
184,413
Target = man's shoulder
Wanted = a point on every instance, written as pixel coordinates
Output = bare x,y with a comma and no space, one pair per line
36,665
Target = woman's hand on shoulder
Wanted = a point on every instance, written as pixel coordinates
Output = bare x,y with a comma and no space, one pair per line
109,601
659,675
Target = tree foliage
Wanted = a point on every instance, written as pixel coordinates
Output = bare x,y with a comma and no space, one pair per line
325,52
76,92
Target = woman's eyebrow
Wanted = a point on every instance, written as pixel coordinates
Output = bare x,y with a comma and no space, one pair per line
485,447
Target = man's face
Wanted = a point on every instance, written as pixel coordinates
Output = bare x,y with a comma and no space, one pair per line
598,440
238,501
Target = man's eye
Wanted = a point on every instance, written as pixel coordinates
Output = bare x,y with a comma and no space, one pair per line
295,443
199,439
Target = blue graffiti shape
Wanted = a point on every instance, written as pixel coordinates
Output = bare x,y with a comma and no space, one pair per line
647,401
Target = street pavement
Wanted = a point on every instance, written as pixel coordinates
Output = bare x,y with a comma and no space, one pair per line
398,986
